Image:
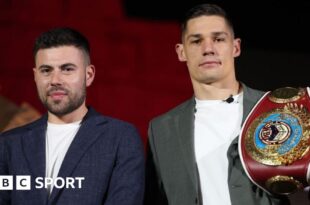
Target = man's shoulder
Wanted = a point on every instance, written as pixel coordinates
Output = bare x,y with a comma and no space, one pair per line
118,123
113,123
175,111
113,131
253,91
18,131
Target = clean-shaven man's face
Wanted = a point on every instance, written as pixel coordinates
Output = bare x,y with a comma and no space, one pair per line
209,49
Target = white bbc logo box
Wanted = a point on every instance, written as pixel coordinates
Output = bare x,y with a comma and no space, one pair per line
6,182
21,182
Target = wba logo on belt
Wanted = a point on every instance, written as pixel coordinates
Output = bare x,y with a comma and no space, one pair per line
274,141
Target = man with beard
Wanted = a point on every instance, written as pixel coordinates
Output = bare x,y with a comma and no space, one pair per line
73,154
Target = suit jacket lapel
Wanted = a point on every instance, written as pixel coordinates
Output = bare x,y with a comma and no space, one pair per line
250,97
85,137
249,100
185,128
33,145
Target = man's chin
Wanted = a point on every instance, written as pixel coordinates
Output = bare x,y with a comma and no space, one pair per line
59,112
58,109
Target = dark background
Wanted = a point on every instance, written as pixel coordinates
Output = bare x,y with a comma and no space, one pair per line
275,36
262,24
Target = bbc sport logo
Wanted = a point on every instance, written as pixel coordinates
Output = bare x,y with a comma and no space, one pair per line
23,182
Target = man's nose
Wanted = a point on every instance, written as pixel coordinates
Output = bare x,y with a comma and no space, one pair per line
208,48
56,78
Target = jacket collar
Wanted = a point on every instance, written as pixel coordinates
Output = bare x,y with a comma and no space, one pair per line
34,145
184,122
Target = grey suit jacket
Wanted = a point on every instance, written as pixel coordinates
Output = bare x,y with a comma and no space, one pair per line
171,172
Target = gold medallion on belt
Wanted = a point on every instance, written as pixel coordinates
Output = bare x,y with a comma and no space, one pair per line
277,134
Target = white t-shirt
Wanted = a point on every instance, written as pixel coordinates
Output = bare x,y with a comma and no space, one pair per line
58,140
217,123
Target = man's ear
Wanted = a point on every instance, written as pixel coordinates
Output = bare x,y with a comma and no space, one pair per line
179,48
34,74
90,74
237,47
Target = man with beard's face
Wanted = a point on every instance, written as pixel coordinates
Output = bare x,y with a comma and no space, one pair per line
61,75
83,156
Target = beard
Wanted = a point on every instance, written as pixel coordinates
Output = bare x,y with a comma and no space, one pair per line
68,104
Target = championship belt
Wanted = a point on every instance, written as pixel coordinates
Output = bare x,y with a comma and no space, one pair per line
274,141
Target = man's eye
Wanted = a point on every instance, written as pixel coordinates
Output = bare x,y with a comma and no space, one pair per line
220,39
196,41
45,70
67,69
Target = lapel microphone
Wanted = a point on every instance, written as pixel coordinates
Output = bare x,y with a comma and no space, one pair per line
230,99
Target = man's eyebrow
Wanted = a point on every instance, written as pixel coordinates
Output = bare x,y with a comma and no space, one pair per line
193,36
67,64
45,66
220,33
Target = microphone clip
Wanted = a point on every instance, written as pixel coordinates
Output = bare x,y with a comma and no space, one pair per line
230,99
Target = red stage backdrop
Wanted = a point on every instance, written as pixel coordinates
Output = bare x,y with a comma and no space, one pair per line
138,75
